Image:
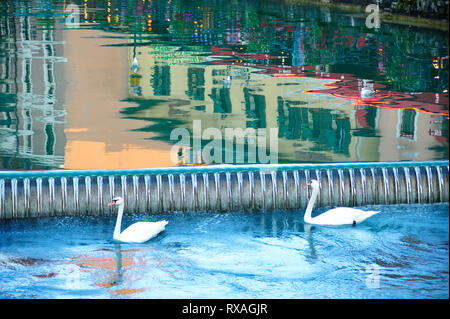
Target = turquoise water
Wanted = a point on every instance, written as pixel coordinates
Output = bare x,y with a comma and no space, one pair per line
399,253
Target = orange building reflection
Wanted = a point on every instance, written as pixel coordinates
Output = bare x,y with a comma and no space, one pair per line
115,269
107,270
95,78
94,155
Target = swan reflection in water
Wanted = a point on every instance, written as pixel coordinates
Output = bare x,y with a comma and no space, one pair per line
118,272
118,275
108,271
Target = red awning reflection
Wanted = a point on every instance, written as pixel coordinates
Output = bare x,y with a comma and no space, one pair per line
342,85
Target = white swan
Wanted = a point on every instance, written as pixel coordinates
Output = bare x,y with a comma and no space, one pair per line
135,65
139,232
336,216
367,93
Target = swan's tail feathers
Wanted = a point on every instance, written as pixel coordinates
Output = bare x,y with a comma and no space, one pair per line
367,214
164,222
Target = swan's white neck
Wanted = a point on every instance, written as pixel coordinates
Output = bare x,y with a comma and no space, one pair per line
116,234
307,218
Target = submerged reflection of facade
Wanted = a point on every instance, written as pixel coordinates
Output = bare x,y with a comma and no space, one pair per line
231,96
224,92
280,47
312,127
31,117
303,34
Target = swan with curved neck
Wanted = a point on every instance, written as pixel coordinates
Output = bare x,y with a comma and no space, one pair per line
139,232
336,216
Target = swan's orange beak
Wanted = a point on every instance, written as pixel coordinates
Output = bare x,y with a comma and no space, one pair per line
308,184
112,203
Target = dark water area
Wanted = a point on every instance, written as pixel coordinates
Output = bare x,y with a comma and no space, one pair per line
215,82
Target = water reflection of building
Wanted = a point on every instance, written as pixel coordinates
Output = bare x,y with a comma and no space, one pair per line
31,112
95,94
182,93
312,127
411,135
303,33
226,93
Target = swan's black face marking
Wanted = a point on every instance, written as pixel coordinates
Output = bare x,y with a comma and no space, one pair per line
313,184
354,223
113,201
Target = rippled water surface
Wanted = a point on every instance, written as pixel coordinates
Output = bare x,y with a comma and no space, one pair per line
303,72
399,253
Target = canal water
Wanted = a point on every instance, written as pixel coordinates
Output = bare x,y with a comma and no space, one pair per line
402,252
214,82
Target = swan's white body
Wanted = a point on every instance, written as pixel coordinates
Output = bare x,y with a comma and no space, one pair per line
367,93
336,216
135,65
227,82
139,232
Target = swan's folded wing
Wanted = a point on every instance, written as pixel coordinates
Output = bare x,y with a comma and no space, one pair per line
335,216
343,216
142,231
364,215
